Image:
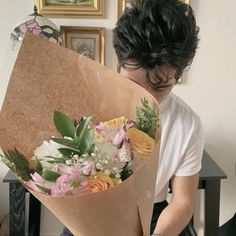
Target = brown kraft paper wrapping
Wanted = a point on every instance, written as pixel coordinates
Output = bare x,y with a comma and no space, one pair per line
47,77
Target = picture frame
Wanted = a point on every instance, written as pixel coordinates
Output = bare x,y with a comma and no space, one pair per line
122,4
89,41
72,8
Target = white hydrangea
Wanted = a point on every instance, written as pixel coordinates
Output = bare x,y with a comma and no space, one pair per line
47,150
105,158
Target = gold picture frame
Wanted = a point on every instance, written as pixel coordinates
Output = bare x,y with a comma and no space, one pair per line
72,8
89,41
122,4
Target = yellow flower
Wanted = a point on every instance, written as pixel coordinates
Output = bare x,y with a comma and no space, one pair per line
100,182
140,141
109,129
115,122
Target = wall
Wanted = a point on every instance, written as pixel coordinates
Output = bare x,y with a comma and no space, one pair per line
209,87
210,90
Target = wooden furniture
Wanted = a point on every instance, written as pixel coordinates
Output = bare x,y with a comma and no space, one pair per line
210,179
17,211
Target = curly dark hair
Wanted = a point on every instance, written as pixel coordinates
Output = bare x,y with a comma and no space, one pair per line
159,32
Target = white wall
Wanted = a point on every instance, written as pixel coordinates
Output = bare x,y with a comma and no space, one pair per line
210,90
209,87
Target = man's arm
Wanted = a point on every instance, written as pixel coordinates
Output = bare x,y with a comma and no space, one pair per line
178,213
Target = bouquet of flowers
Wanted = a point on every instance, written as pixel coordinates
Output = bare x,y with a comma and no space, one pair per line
97,174
87,158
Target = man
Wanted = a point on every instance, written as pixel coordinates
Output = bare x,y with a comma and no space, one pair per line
154,43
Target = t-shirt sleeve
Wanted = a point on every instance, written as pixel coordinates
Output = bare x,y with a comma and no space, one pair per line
192,158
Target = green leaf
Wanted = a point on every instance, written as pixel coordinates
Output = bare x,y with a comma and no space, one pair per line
55,160
64,124
74,184
66,142
50,175
86,141
69,152
92,148
83,126
46,190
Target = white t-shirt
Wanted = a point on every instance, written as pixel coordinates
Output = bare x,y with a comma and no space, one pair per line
181,143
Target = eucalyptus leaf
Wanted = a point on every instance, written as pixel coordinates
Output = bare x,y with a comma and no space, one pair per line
64,124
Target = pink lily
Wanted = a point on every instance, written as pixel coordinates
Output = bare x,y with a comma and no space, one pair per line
60,190
32,185
37,177
64,168
120,136
38,180
86,170
124,153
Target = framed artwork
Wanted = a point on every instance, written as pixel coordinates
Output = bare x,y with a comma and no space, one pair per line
89,41
122,4
71,8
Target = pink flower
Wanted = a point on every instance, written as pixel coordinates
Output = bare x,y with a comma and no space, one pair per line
124,153
32,185
72,182
64,168
86,170
58,190
37,178
37,182
120,136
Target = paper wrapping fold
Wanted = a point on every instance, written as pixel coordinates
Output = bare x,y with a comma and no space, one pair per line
47,77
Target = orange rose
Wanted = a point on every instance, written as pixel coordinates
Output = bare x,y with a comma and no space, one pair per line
140,141
116,181
100,182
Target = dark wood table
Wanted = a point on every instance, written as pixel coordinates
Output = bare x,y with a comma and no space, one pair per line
17,197
210,178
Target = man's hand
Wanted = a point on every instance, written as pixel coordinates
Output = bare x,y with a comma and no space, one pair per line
178,213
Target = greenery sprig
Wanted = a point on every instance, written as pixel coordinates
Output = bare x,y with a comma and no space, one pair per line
17,162
147,118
